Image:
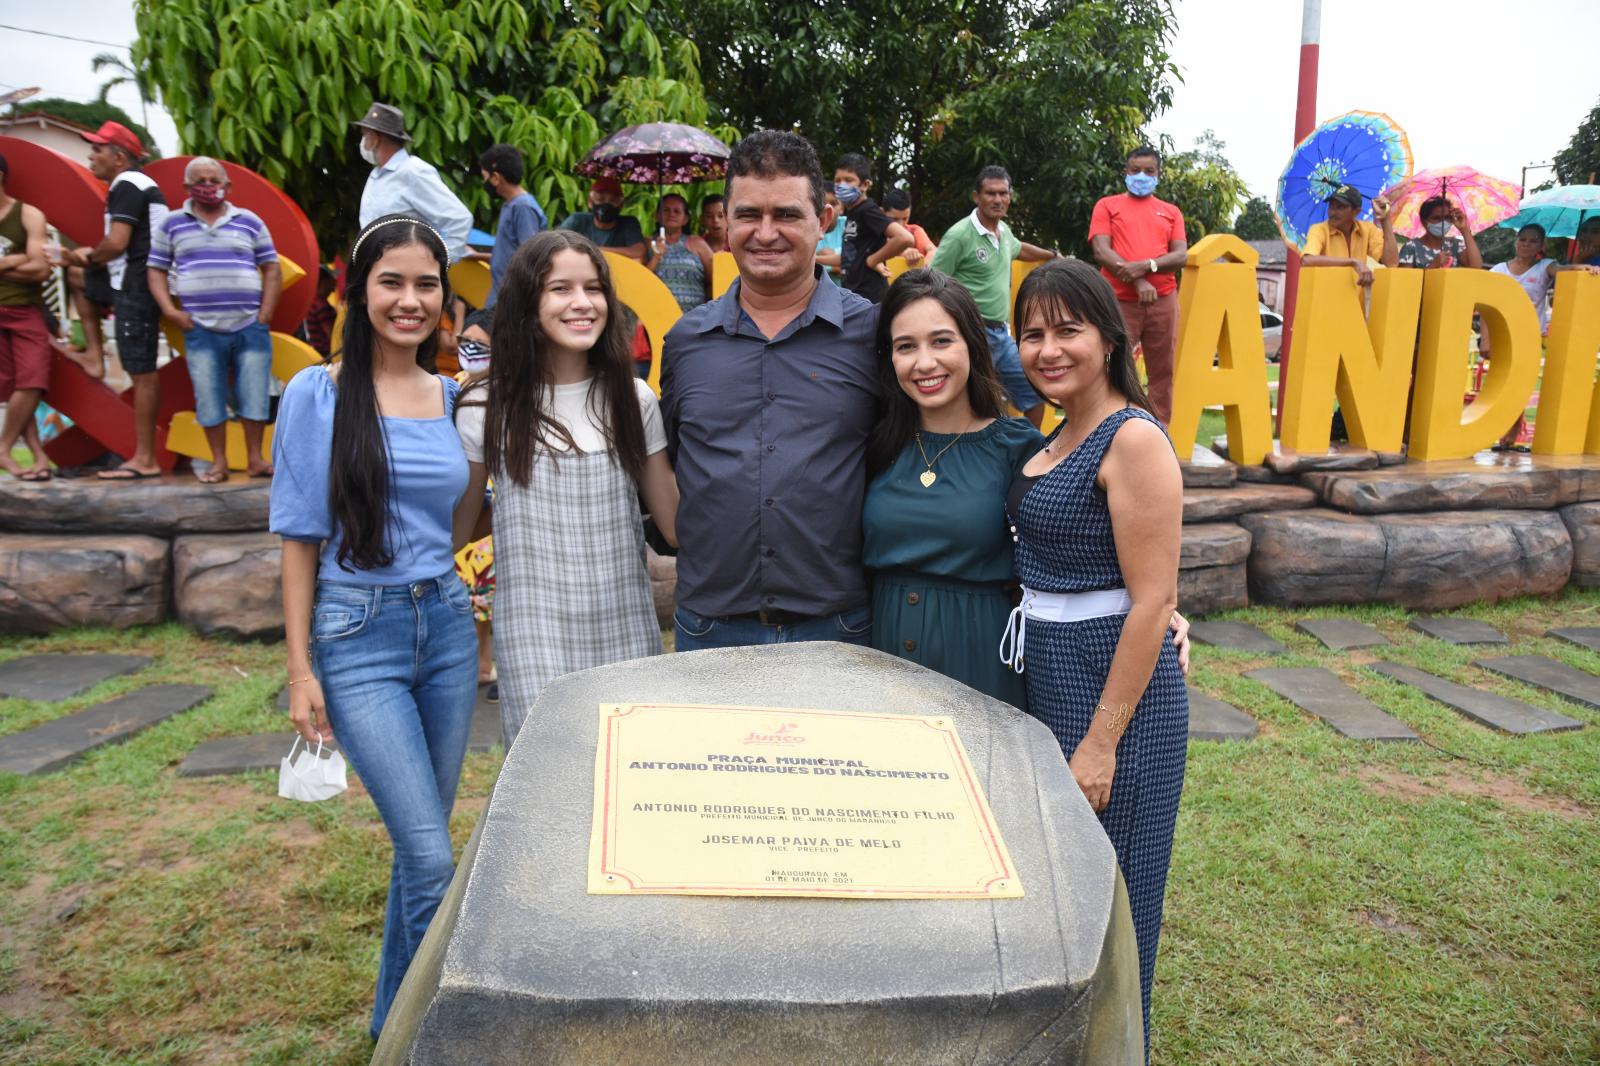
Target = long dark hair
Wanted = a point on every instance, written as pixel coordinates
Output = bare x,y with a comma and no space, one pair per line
901,416
358,485
518,423
1072,287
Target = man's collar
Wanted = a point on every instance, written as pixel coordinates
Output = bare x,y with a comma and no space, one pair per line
826,303
397,160
992,234
228,211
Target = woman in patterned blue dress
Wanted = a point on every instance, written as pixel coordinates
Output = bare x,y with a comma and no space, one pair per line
1098,516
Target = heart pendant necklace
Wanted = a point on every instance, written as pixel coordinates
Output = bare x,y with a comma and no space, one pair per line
928,476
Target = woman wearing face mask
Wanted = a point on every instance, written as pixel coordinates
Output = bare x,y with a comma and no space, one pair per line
680,259
379,628
1437,248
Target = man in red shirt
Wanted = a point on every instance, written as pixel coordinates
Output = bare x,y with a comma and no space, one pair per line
1140,245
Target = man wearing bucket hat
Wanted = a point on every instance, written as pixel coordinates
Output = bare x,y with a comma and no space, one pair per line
1344,240
402,184
133,206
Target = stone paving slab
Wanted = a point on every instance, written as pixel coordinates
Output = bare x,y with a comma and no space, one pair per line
1459,630
1341,634
1321,693
54,744
1236,636
262,751
1536,670
1582,636
1211,719
1485,708
60,677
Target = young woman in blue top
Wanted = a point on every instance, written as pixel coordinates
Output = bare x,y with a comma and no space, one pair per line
369,470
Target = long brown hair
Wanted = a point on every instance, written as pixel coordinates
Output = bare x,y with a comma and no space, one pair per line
518,424
901,416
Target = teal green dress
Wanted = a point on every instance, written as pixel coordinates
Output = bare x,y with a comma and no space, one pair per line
941,555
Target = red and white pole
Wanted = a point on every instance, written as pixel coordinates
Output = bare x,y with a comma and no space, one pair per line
1305,119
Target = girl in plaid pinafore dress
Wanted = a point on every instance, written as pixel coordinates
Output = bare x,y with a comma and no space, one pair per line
573,441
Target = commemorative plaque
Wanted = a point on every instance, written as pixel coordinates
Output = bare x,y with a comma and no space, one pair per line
695,799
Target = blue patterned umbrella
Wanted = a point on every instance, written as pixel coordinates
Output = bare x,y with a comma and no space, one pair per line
1365,149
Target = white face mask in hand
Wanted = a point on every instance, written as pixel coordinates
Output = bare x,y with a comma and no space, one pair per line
309,777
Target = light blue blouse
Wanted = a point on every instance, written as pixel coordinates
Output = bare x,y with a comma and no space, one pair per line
428,474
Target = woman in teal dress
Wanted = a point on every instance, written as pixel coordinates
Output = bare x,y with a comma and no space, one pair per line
942,457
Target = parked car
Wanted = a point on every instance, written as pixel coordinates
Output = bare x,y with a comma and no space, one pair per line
1271,332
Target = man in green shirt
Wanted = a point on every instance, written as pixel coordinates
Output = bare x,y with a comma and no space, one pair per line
977,251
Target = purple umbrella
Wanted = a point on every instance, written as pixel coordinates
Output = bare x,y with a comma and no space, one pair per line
657,153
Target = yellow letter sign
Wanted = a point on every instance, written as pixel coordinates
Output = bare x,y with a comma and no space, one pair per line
1569,417
1366,362
1440,429
1221,357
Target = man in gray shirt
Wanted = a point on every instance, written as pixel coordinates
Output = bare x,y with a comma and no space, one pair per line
769,394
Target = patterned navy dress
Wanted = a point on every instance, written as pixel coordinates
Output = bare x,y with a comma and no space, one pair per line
1064,544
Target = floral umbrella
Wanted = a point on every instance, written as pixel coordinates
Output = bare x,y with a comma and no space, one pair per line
1560,210
657,153
1365,149
1485,200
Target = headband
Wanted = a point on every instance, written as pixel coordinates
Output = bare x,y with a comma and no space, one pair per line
355,252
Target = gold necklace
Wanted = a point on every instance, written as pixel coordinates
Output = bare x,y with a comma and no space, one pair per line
928,477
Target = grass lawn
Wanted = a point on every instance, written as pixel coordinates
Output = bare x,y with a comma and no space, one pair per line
1330,901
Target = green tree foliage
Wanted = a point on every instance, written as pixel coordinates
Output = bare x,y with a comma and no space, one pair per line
1057,91
1204,185
1256,222
89,116
1579,162
274,84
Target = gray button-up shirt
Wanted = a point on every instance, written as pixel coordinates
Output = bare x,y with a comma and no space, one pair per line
769,441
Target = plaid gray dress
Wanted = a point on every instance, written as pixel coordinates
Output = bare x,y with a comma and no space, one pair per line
571,588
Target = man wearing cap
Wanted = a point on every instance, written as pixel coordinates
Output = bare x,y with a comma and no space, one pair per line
402,184
1345,240
24,339
605,224
133,206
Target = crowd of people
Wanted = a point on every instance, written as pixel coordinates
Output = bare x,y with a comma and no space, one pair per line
832,457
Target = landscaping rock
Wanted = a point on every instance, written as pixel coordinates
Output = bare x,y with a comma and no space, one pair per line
1536,670
1583,525
54,677
1235,636
52,582
1321,693
1209,505
170,505
1211,719
229,585
1207,469
1459,630
1341,634
1338,457
1429,561
522,964
55,744
1212,575
1485,708
1447,485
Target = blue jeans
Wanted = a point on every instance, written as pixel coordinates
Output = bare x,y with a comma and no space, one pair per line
1003,347
697,632
399,671
247,356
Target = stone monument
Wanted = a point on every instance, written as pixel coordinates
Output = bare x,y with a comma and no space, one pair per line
523,965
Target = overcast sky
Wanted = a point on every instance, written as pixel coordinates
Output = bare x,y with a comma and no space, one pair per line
1470,82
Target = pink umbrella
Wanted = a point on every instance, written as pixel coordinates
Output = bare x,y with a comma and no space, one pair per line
1485,200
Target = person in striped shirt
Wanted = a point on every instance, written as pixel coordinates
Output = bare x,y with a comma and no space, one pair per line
224,269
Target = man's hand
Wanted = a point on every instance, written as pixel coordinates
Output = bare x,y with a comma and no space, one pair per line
883,268
181,318
1363,272
912,256
1380,210
1147,292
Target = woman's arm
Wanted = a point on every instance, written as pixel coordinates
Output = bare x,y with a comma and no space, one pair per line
659,488
463,524
1144,491
306,708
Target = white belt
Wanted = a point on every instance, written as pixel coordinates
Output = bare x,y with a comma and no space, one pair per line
1057,607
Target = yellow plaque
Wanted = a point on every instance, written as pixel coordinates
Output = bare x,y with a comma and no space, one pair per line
768,801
